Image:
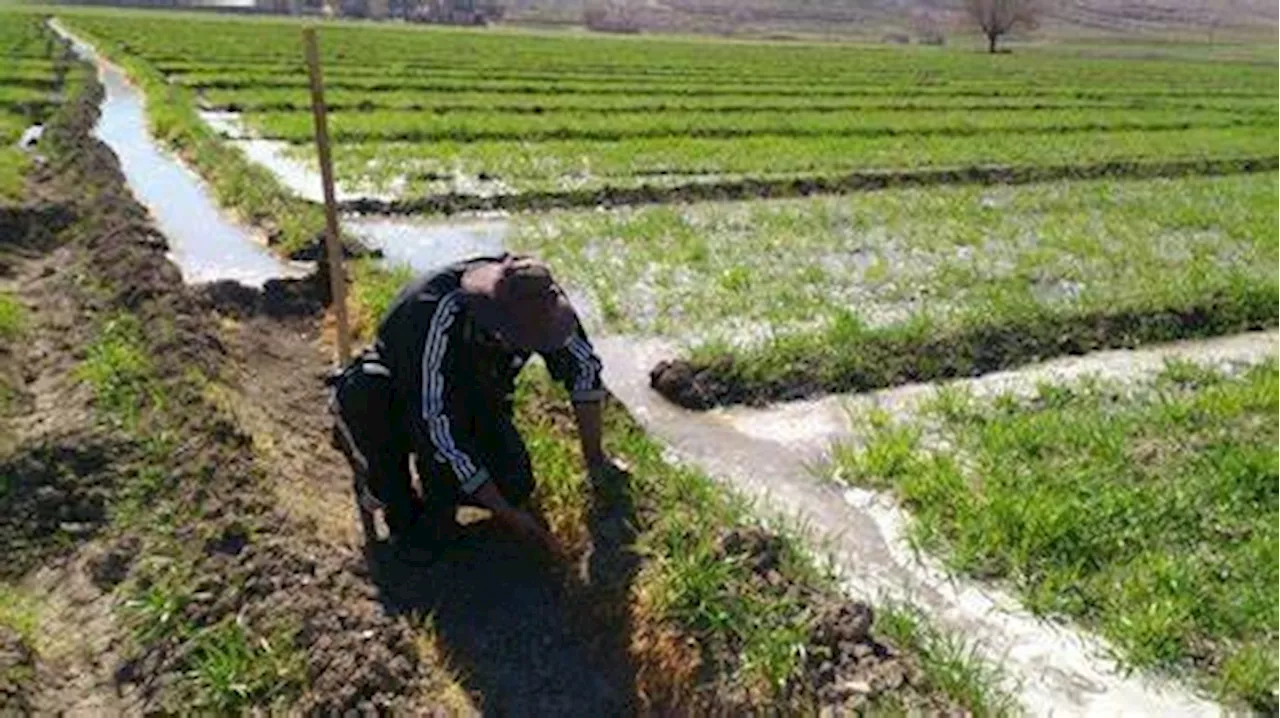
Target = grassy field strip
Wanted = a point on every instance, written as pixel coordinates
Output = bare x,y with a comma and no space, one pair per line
530,87
770,455
1145,510
365,126
580,72
884,256
267,100
29,80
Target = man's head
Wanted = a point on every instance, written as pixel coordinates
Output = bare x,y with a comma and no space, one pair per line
518,300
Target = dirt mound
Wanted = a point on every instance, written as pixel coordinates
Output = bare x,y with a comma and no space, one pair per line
846,667
278,298
29,228
691,386
55,495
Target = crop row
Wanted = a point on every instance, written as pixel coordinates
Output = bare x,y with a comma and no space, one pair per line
284,100
700,273
23,38
233,80
558,165
473,127
410,73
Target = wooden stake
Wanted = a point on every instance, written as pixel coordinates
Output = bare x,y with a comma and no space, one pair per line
332,240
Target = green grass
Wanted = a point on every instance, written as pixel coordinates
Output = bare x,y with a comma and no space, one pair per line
950,662
1147,513
232,670
13,317
14,165
687,580
720,272
119,370
228,667
19,613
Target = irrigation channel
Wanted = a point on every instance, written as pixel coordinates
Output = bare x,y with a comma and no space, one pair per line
766,454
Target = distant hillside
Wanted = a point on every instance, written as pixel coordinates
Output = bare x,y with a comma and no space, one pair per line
887,17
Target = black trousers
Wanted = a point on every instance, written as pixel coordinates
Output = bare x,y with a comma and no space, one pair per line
371,419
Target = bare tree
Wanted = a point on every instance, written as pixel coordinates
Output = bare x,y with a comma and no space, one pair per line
998,17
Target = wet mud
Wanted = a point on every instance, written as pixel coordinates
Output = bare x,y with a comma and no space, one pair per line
878,363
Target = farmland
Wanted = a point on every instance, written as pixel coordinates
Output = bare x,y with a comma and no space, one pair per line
29,79
426,112
785,220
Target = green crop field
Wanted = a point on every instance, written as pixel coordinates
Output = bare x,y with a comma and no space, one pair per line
430,112
29,79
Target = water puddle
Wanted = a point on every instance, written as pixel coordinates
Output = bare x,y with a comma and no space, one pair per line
205,245
772,455
424,246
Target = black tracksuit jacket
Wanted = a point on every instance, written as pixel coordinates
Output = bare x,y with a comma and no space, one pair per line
449,375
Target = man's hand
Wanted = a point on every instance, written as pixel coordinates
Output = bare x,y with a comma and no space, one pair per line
521,522
526,526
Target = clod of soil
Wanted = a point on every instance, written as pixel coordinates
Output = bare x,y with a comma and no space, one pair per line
278,298
17,671
110,567
692,386
846,667
55,496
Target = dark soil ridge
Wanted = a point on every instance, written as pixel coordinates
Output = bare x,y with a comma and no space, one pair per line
749,189
885,361
719,133
338,83
445,108
240,559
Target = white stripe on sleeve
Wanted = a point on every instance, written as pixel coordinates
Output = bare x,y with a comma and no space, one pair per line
433,390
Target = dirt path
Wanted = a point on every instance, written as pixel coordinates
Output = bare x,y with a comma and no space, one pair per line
770,455
59,452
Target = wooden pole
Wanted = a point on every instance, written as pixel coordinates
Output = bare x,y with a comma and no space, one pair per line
332,240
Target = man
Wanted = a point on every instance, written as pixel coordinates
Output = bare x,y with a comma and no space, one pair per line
439,382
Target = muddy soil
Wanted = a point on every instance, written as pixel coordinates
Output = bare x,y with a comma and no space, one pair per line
896,360
803,187
247,561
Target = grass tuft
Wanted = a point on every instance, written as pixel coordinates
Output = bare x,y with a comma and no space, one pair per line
231,669
120,372
13,317
950,663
